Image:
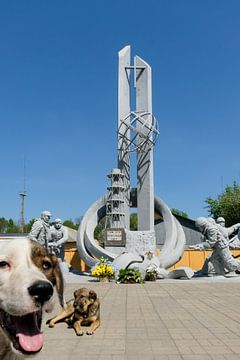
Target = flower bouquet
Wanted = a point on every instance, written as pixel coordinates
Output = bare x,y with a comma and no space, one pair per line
103,270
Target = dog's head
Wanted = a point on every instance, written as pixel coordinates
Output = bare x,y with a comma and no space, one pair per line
27,277
83,297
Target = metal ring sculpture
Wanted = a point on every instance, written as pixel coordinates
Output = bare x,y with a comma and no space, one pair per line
90,251
137,130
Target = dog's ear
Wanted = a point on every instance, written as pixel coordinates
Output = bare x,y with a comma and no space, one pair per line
75,293
58,280
49,265
92,295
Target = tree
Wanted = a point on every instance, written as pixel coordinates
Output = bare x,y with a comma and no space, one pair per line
27,227
179,212
70,224
12,227
9,226
99,232
226,205
3,225
78,221
133,222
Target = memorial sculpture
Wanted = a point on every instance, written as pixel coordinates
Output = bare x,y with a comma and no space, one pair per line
58,238
220,221
40,231
137,133
51,236
58,235
234,242
216,237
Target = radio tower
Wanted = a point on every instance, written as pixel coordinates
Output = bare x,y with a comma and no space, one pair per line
22,195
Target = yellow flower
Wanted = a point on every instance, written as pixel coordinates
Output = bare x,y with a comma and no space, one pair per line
103,270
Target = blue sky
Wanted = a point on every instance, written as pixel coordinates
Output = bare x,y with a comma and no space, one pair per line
58,99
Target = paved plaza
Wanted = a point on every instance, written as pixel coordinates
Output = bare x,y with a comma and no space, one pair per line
169,319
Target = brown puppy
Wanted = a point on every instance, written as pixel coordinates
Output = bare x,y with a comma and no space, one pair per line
84,309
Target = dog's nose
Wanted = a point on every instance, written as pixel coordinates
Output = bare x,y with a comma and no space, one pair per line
41,291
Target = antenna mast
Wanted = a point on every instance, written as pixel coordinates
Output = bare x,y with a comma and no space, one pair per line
22,195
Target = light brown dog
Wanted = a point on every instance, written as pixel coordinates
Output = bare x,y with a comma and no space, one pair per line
84,309
28,275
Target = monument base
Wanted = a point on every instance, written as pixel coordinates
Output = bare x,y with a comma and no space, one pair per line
118,250
140,242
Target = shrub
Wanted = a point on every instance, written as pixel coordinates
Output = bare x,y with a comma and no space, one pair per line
130,276
151,276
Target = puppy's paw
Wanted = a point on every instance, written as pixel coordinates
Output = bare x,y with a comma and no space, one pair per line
80,333
90,332
50,324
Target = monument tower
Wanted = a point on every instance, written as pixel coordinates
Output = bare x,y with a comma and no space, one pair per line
137,133
135,129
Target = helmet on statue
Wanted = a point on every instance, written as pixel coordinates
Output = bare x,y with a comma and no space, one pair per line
46,215
201,223
220,220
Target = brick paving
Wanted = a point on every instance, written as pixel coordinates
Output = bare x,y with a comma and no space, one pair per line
166,320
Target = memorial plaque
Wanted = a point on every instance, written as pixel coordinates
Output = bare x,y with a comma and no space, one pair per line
115,237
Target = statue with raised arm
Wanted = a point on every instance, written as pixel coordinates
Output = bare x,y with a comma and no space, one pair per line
234,242
40,231
216,237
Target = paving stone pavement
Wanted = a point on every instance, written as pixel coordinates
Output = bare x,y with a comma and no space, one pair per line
166,320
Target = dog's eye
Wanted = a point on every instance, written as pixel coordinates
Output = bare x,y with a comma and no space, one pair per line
4,265
46,265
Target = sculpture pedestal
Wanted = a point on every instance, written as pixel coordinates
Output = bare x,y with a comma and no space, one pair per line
140,242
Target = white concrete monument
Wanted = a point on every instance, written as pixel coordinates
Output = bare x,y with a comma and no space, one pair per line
137,134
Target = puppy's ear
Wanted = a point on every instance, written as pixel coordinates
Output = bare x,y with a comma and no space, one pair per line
75,293
92,295
58,280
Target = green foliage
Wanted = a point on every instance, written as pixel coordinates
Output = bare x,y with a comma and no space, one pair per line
214,207
133,222
226,205
78,221
130,276
179,212
99,232
151,276
12,227
69,223
28,226
9,226
3,225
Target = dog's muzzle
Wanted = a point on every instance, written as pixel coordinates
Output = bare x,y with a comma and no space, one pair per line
41,291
